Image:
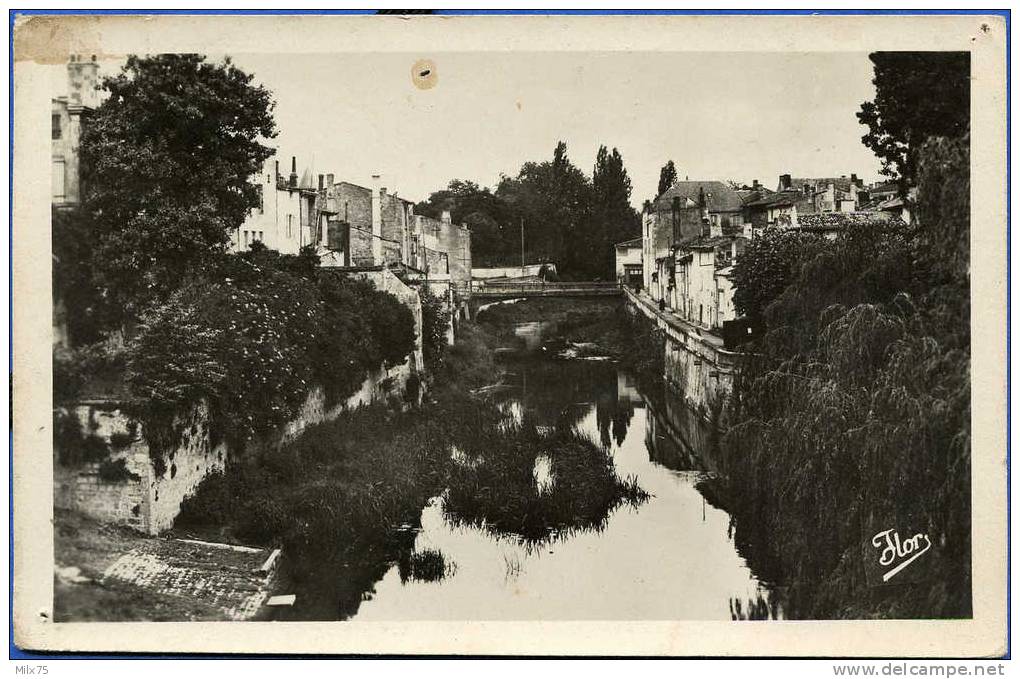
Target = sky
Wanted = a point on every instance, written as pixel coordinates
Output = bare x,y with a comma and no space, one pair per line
727,115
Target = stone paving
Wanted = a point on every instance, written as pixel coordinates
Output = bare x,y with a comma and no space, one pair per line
225,576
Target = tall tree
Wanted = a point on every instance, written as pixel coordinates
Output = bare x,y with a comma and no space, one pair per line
613,218
554,200
166,164
667,177
917,95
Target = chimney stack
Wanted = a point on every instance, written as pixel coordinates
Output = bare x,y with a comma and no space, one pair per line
322,179
376,222
83,81
293,172
329,180
755,185
785,182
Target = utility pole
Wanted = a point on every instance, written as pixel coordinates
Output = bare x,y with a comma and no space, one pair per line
522,246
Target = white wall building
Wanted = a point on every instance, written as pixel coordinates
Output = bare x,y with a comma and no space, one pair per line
285,218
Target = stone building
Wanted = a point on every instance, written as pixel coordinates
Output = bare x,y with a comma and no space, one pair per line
628,262
287,217
377,223
686,211
704,289
69,114
824,194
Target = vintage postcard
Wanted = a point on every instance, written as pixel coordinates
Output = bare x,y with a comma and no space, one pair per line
524,335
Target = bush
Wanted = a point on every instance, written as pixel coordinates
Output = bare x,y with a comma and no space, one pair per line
252,341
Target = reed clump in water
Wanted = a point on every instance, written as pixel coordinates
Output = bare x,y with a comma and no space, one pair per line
501,492
427,565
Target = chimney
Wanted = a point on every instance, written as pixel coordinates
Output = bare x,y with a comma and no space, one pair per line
83,80
785,182
755,185
376,222
855,180
701,197
293,172
276,178
322,179
329,180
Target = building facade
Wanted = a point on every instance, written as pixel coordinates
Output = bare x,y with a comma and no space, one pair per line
628,263
287,218
69,113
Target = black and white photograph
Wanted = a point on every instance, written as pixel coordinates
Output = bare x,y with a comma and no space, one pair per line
518,335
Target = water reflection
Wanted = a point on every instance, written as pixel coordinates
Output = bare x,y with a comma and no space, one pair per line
671,557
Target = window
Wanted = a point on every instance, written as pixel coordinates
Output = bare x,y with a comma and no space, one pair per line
290,226
246,239
58,179
262,201
260,236
56,126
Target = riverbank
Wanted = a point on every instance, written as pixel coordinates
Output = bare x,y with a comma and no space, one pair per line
106,572
344,499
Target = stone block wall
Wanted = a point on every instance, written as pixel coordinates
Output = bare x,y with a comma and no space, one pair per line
146,498
697,370
148,495
361,247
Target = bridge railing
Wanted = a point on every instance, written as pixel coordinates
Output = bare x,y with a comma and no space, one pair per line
545,287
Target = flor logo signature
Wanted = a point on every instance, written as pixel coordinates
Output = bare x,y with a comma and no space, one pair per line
894,549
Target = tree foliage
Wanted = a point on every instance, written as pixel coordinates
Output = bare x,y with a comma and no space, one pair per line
767,266
667,177
435,320
166,165
252,340
567,218
852,414
917,95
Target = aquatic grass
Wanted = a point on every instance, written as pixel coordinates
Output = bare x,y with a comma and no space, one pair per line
427,565
502,495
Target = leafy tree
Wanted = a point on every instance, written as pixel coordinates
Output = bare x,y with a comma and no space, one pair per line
667,177
567,218
852,412
767,266
435,319
166,164
491,220
252,340
613,218
74,280
917,95
554,198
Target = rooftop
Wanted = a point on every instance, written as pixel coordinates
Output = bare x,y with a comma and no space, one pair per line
798,183
719,196
779,198
836,221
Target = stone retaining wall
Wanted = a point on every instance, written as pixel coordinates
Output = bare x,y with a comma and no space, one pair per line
147,494
696,369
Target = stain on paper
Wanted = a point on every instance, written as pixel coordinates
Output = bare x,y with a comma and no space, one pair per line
423,74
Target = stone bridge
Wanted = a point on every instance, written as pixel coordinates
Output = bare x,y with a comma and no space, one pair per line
511,289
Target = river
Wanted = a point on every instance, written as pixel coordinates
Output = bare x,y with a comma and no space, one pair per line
671,557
